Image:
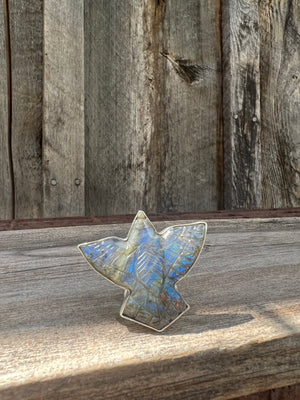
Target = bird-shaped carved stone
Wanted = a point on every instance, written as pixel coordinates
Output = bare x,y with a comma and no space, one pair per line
147,265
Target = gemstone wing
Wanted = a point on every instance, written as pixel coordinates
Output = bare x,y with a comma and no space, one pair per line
182,245
108,257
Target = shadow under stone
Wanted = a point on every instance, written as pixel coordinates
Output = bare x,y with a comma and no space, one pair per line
188,324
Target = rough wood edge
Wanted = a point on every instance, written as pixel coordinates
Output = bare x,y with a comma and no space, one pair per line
133,387
6,225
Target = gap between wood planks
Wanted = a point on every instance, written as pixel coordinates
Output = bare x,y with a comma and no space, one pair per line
9,100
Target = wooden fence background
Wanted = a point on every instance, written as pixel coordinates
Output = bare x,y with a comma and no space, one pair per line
111,106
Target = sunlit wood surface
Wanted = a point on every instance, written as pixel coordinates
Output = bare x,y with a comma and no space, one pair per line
61,336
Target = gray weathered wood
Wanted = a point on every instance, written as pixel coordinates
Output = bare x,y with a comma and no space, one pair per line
188,107
241,104
61,336
118,115
152,106
63,133
6,198
26,34
280,102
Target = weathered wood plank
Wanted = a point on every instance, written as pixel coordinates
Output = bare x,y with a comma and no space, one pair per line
121,229
267,215
61,336
241,104
152,108
6,197
26,34
118,116
188,107
280,102
63,140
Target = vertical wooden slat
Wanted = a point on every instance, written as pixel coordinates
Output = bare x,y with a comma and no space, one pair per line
241,104
152,105
188,109
118,78
280,102
63,117
26,35
6,198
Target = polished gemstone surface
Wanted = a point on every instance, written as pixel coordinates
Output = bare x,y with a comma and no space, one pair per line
147,264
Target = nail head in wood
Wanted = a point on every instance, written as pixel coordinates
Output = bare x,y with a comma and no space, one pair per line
53,182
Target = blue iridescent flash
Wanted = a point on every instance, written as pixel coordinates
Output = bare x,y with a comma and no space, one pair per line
147,265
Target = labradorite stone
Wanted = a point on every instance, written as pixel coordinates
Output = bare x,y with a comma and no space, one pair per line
147,264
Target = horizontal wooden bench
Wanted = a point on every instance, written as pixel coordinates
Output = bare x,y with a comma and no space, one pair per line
61,336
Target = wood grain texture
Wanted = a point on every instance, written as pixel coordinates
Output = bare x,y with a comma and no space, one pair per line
241,104
118,120
26,42
6,197
285,393
188,109
152,106
63,133
280,102
120,219
61,336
